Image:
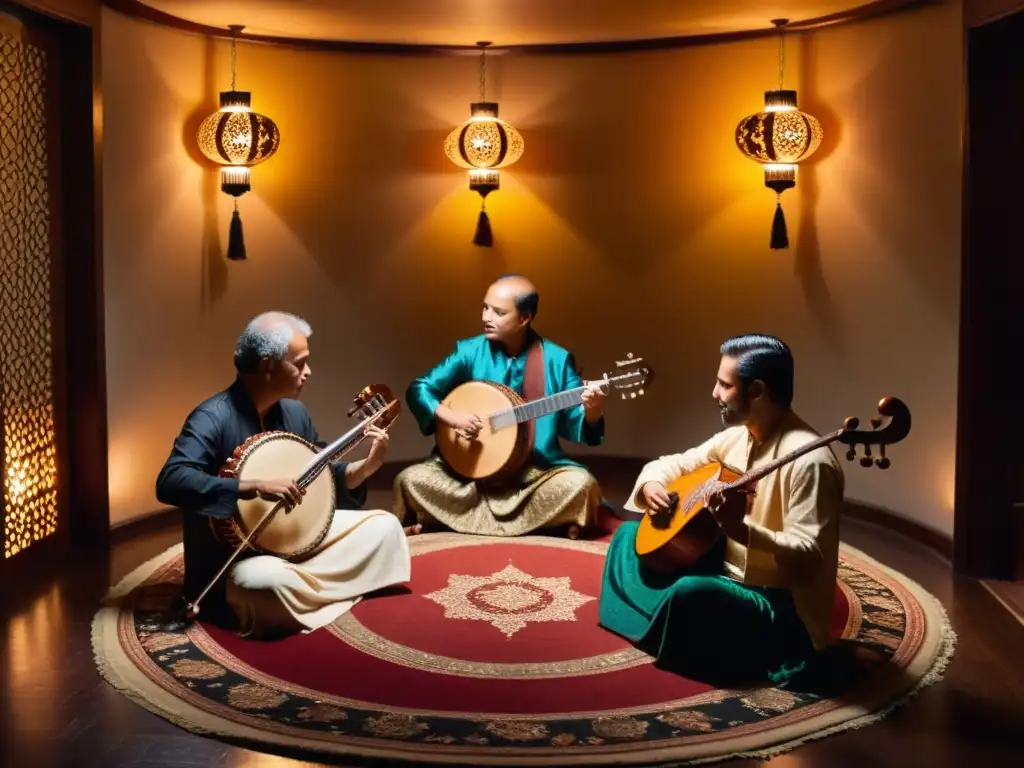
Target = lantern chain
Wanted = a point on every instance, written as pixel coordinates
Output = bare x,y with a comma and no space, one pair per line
483,68
782,58
779,24
235,29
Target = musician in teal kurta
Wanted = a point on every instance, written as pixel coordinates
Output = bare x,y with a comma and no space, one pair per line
553,490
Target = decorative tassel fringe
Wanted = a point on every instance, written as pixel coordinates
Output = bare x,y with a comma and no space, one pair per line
780,237
483,236
236,243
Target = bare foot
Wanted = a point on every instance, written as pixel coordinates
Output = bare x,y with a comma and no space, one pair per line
412,530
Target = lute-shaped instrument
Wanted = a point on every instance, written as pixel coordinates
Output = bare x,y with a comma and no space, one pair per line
504,444
675,540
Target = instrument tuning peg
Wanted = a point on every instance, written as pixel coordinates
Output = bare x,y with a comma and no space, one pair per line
882,462
851,454
623,395
876,423
641,392
852,422
865,460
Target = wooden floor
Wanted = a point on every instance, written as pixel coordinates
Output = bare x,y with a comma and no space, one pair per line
57,710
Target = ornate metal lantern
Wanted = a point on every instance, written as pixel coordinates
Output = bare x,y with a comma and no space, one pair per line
237,138
779,138
484,144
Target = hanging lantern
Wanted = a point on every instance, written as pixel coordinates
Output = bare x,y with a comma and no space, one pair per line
779,138
237,138
483,144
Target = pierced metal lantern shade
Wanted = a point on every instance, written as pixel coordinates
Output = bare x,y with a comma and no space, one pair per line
484,143
779,138
237,138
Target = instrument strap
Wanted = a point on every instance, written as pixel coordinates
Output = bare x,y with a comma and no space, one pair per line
533,376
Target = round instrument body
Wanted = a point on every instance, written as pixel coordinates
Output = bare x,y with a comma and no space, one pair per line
496,454
679,540
290,535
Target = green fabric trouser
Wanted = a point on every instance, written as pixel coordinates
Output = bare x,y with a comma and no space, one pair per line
702,624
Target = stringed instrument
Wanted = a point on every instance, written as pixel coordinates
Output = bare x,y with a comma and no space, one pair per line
675,540
503,446
267,526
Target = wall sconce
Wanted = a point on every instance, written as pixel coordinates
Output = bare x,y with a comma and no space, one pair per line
237,138
779,137
483,144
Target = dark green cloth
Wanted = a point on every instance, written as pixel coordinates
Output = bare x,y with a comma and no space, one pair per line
703,624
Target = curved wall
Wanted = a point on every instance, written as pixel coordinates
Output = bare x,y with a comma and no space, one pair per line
644,227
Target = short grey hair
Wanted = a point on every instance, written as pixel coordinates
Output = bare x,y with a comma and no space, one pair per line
267,335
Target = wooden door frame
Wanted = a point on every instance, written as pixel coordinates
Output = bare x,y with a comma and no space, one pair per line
988,523
77,247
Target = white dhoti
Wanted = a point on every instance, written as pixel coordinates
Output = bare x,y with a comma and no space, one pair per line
363,551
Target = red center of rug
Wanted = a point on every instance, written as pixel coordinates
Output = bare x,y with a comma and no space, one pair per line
506,627
498,603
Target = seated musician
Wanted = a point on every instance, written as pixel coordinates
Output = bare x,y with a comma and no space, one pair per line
261,594
758,604
553,490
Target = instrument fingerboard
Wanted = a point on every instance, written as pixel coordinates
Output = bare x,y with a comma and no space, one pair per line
537,408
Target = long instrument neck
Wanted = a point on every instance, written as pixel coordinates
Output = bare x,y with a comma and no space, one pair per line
338,448
754,475
537,408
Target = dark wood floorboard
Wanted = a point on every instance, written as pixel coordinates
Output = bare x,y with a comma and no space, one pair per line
58,711
1011,594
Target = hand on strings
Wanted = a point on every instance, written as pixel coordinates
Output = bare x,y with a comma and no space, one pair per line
658,500
468,425
379,446
283,489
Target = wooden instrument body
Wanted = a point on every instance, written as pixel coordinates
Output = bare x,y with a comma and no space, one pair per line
676,540
292,535
497,454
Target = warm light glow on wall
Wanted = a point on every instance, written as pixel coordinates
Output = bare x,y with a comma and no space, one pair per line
29,461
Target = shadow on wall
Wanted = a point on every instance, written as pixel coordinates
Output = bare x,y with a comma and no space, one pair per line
214,271
807,248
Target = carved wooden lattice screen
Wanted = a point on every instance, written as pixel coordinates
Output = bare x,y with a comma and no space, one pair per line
30,442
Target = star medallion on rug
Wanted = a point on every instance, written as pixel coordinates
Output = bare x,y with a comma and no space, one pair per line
492,655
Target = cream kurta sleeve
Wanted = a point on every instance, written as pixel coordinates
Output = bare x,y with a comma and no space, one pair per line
814,501
667,468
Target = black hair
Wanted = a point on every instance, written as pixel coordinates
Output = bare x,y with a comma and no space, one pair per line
764,358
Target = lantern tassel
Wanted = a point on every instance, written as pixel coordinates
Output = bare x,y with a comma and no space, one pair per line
483,237
236,243
780,237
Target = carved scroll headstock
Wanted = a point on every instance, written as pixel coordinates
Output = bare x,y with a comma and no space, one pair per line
893,432
630,377
373,399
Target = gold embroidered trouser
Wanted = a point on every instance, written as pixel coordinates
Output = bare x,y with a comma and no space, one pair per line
539,499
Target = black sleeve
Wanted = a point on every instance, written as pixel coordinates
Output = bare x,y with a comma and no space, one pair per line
189,478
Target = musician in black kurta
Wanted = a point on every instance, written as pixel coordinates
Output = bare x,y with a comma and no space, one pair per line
266,593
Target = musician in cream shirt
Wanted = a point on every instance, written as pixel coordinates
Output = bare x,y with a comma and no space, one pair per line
757,605
263,595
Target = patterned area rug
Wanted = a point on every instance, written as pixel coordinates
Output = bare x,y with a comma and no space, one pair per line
493,656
